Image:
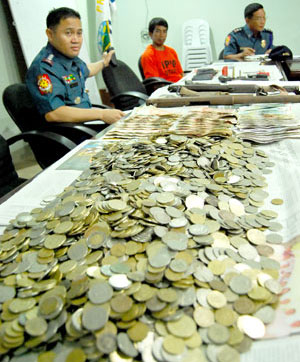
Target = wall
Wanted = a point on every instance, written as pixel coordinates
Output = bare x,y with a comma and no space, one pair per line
9,69
223,16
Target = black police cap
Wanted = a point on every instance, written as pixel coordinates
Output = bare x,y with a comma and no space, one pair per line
251,8
281,52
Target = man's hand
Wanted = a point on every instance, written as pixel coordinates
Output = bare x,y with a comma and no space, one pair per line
96,67
111,115
247,51
240,56
78,115
107,57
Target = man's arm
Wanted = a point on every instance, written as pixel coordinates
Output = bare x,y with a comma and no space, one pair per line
77,115
240,56
233,50
149,66
96,67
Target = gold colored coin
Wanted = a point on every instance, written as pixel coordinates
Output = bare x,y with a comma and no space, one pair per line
277,201
21,305
184,327
168,295
235,336
138,332
173,345
48,356
144,293
36,326
45,253
194,341
54,241
76,355
216,299
132,248
217,267
204,317
259,293
160,328
121,303
118,250
225,316
67,266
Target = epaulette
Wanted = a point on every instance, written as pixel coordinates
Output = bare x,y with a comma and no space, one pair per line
268,31
236,30
49,59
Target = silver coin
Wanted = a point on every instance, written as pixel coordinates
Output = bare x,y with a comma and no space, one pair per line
125,345
106,343
100,292
119,281
94,318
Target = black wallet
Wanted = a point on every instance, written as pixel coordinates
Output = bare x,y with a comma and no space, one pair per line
205,74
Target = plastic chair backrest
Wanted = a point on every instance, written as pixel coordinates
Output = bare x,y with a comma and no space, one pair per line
195,32
196,44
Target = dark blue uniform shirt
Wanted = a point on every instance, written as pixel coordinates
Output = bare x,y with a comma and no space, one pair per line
244,38
54,80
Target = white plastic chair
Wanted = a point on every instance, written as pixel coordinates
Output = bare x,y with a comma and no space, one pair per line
196,44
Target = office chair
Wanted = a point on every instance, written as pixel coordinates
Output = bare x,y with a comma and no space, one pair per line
221,55
9,178
152,83
124,87
49,141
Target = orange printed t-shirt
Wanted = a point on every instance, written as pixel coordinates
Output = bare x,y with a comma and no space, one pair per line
161,63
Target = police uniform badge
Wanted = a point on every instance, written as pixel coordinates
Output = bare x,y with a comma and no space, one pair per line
69,78
44,84
227,41
77,100
263,43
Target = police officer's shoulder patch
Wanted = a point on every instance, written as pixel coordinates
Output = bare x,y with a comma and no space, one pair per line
44,84
227,40
48,59
236,30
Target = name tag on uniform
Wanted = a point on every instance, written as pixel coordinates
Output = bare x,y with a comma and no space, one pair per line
72,85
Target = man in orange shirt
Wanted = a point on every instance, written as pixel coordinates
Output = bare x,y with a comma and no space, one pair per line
159,60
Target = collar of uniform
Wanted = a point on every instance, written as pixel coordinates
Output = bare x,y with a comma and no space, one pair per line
65,61
250,32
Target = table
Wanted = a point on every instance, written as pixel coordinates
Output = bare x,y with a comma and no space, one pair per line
291,68
283,183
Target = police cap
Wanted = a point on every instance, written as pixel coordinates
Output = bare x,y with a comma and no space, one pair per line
281,52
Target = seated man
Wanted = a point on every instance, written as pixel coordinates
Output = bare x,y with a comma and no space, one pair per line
159,60
252,38
56,77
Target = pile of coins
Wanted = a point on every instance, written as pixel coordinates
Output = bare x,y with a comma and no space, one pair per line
160,251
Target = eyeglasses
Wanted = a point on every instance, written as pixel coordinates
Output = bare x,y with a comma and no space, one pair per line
259,18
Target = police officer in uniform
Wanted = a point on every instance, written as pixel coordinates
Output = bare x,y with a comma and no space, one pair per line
251,39
56,77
